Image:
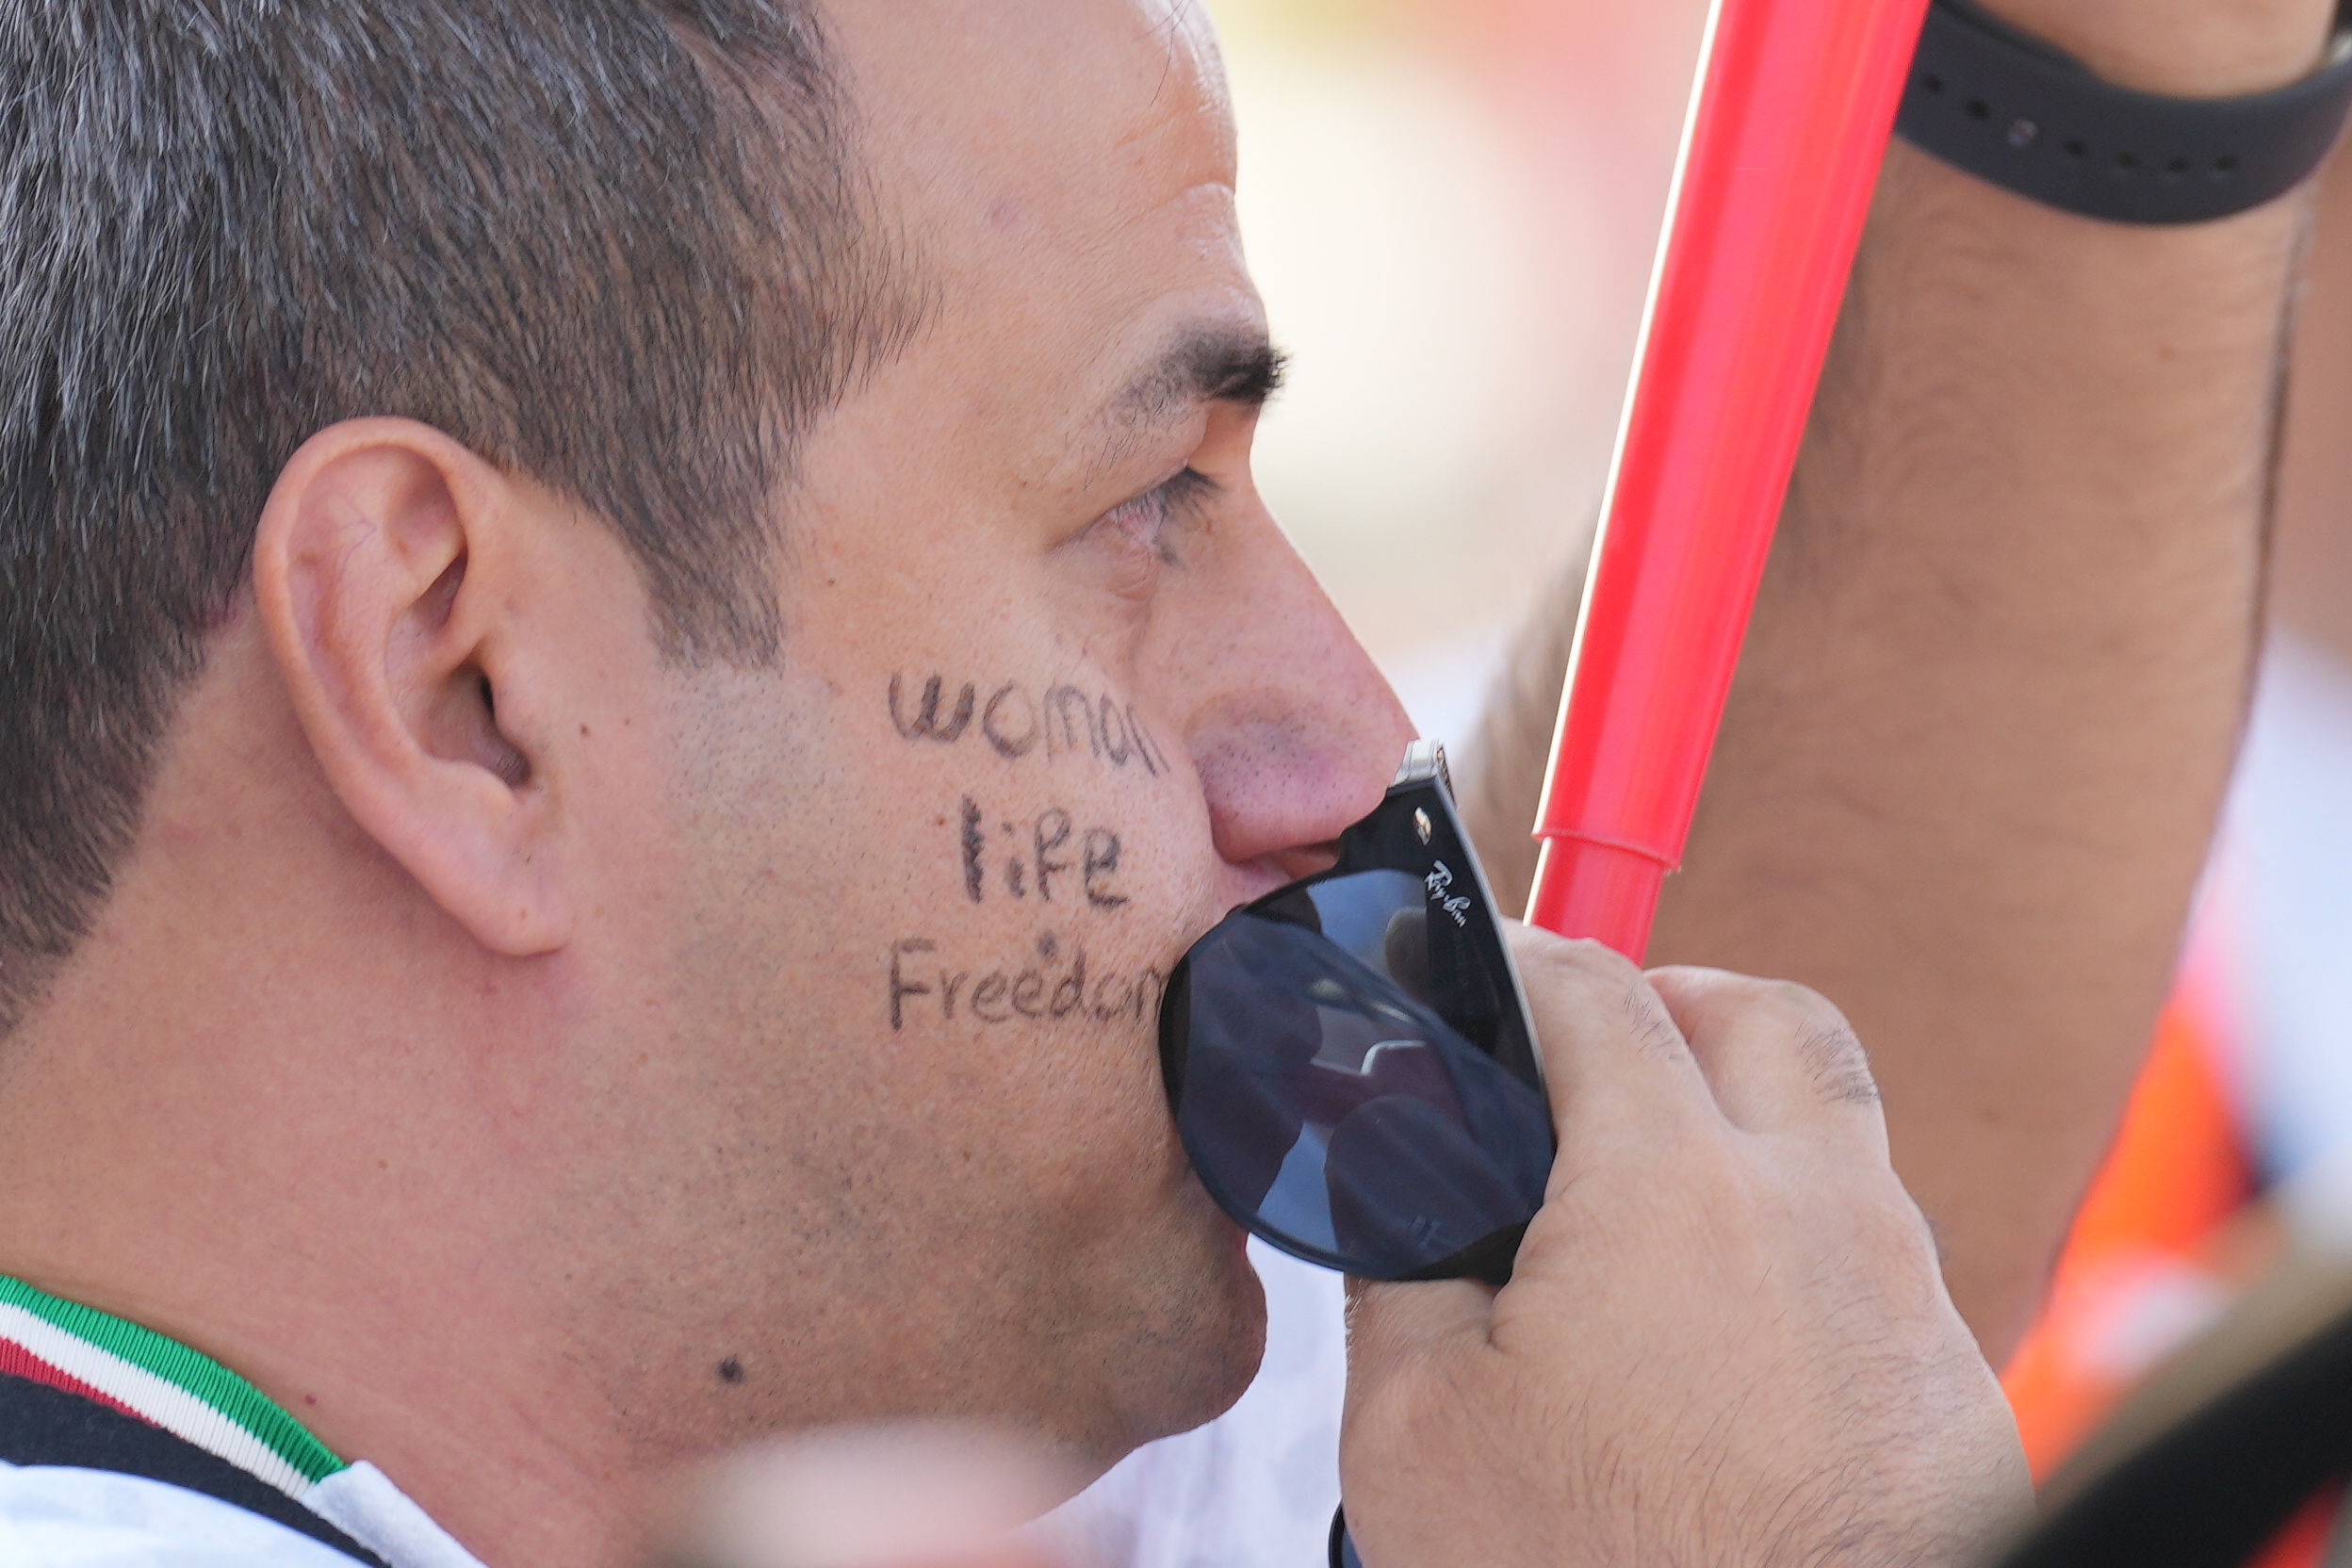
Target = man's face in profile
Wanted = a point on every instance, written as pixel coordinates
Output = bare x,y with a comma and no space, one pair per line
880,956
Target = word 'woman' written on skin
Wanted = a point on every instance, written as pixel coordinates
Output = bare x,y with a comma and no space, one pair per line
1065,721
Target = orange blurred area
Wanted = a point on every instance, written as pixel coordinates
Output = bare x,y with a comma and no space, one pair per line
2155,1250
2172,1231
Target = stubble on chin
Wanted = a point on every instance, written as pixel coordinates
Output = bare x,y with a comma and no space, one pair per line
1188,1342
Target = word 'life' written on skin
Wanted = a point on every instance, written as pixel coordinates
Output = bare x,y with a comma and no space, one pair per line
1041,856
1065,721
1054,987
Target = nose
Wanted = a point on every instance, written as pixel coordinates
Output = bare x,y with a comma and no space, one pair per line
1292,731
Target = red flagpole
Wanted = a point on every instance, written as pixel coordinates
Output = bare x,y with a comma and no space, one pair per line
1789,124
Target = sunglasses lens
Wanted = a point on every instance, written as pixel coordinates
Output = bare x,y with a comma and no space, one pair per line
1328,1089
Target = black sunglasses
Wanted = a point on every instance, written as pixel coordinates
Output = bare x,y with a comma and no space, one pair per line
1351,1061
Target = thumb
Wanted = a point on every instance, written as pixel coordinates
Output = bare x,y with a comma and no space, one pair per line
1393,1326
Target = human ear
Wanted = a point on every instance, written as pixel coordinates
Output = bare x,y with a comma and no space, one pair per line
385,571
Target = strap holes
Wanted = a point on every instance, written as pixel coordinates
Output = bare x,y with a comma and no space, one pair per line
2075,149
1931,85
2127,162
2224,165
2175,168
1979,109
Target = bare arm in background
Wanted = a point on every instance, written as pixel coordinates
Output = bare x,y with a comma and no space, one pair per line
1987,710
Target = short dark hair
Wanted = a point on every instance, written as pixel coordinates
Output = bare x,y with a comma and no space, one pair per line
619,245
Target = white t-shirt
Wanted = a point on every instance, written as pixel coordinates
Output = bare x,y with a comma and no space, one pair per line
2284,880
52,1516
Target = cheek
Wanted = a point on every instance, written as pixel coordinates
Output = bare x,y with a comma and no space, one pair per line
1027,862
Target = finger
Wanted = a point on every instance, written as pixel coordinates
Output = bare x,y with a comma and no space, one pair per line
1778,1056
1613,1056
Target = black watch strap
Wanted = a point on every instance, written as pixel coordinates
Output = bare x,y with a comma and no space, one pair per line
2009,109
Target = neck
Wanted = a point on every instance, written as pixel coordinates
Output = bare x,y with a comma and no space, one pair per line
221,1125
414,1353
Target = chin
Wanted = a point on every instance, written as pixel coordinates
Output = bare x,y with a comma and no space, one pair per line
1188,1343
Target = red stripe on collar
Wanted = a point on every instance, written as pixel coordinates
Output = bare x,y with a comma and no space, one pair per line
17,1361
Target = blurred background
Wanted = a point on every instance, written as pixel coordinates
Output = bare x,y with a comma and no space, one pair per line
1450,207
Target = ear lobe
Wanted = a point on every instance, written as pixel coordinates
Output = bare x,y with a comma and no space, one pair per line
381,567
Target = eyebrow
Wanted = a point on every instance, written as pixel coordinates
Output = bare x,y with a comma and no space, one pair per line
1201,364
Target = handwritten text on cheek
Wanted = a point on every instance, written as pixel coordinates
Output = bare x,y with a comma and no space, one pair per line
1044,854
1056,986
1065,721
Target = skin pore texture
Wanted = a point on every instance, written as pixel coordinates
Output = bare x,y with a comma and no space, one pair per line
539,1066
493,1033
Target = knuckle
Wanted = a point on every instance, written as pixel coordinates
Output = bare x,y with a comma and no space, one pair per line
1793,1002
1833,1057
1650,1024
1728,996
1801,1002
1695,986
1826,1048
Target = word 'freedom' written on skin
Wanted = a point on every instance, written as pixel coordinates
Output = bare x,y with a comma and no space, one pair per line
1044,854
1065,721
1054,987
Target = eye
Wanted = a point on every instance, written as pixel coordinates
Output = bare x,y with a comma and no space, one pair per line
1143,522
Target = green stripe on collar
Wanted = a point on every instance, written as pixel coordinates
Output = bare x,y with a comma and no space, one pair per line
179,1389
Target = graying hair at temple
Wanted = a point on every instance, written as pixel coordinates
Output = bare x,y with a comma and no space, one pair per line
620,246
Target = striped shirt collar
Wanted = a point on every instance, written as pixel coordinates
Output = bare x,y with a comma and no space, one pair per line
140,1373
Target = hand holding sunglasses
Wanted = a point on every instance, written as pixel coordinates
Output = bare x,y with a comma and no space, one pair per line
1727,1338
1351,1061
1353,1069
